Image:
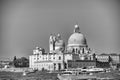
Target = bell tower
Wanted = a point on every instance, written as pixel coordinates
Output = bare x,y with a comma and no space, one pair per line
51,43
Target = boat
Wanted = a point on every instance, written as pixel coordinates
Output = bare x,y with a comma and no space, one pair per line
75,77
24,73
83,74
75,74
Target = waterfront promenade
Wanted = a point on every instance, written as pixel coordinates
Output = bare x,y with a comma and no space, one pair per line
39,75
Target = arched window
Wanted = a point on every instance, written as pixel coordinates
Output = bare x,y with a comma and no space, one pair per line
59,66
65,65
73,51
83,50
76,50
54,66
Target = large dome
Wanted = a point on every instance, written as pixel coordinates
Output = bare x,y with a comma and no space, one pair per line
77,38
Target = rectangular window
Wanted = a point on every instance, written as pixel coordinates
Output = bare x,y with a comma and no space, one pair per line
59,57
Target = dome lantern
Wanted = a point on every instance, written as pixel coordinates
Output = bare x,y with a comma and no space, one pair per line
77,29
58,36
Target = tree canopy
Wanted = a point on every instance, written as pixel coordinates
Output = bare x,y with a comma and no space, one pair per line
21,62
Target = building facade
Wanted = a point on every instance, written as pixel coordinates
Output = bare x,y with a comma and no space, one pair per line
115,58
103,57
112,57
75,54
48,61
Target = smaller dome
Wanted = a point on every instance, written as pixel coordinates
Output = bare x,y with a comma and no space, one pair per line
37,48
59,43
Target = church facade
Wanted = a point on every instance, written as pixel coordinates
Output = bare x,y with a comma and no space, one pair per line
59,55
48,61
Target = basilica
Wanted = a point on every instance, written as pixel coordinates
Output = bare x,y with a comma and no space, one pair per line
75,54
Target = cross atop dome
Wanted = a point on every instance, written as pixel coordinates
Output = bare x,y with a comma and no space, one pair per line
77,29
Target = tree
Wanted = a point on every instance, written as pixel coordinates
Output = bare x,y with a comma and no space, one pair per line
13,62
14,58
21,62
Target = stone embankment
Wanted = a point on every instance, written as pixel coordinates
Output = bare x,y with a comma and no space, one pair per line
15,69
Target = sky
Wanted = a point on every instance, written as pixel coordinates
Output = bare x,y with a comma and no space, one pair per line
26,24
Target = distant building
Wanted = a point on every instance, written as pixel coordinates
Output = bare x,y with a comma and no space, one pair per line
103,57
115,57
3,63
